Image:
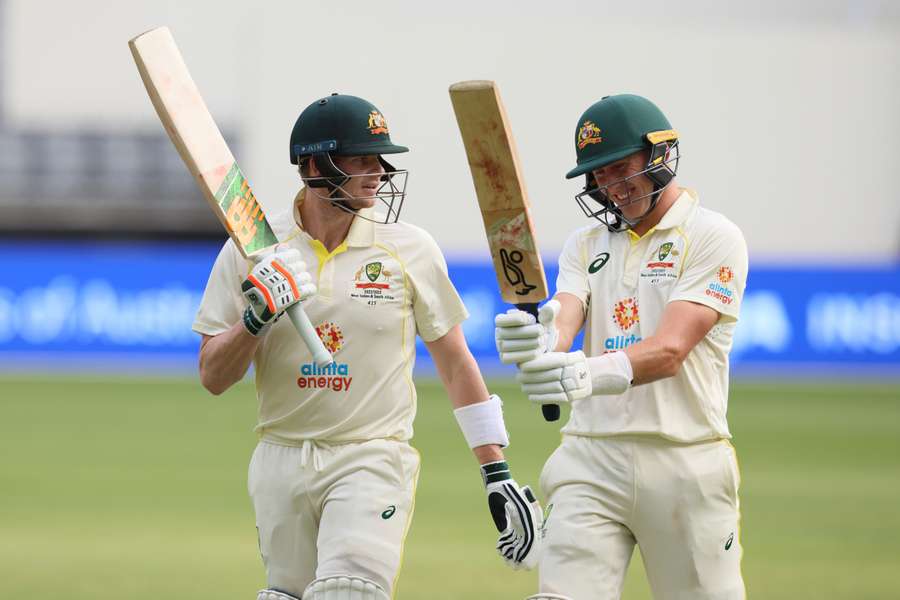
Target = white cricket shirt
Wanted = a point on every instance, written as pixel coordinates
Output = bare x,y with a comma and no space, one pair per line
625,282
383,285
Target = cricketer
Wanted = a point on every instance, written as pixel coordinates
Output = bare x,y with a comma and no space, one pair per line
645,457
333,476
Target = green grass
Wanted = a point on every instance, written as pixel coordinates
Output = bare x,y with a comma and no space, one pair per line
137,489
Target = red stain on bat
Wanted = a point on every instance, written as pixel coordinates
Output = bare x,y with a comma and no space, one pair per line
493,170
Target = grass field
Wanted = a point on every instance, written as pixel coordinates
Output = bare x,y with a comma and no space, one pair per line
137,489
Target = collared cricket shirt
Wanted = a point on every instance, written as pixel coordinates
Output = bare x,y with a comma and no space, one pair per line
383,285
625,283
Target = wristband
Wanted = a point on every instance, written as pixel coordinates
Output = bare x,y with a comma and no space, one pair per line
482,423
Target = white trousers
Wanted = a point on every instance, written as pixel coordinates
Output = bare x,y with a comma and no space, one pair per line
325,510
678,502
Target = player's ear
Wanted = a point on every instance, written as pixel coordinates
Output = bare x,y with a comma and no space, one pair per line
308,167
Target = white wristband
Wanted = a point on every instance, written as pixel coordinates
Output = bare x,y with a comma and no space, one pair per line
482,423
611,373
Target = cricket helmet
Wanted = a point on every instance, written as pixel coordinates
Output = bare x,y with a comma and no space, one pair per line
343,125
612,129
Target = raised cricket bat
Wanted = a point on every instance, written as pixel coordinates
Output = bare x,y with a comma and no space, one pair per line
501,193
200,143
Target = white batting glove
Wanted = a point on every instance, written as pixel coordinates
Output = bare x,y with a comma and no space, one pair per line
519,338
277,282
517,516
556,377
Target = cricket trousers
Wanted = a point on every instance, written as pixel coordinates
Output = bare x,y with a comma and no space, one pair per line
324,510
677,502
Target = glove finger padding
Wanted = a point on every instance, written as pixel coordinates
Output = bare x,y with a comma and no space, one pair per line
520,544
518,345
556,377
514,318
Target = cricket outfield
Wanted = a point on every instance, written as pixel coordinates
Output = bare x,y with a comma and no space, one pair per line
137,489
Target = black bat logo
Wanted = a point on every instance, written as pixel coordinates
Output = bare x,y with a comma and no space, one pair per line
512,271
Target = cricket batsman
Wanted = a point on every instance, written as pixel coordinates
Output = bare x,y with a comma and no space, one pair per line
645,457
333,477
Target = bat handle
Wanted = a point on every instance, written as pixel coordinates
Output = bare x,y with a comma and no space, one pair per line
550,411
298,317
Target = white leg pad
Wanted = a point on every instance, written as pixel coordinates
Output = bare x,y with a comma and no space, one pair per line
344,588
274,595
548,597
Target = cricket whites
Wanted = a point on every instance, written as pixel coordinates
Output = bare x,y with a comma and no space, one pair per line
500,188
200,143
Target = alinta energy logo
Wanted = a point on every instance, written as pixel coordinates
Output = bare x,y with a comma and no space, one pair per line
625,315
725,275
719,289
336,376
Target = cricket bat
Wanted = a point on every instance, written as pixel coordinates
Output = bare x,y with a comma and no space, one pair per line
203,149
501,193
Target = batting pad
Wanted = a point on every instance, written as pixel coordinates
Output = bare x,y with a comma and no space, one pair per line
548,597
344,588
274,595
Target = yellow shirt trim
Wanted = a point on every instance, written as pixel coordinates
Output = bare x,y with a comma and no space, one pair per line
322,253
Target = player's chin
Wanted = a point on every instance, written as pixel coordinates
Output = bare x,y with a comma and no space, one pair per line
365,200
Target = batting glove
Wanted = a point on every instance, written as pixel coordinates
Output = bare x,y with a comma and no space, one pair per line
519,338
277,282
556,377
517,516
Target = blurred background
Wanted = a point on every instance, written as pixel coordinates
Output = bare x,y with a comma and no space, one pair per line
121,477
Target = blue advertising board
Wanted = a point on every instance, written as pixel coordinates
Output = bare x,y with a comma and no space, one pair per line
128,306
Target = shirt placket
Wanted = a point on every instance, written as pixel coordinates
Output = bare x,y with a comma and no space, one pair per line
635,255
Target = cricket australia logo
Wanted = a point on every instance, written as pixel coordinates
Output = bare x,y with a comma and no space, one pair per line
373,270
588,134
373,284
664,250
662,264
377,124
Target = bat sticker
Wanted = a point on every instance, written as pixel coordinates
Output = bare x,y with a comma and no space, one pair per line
512,271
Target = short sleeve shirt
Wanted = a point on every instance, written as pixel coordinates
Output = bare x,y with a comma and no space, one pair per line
625,283
377,290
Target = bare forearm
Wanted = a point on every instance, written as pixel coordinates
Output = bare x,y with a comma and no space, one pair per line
569,321
653,359
463,381
225,358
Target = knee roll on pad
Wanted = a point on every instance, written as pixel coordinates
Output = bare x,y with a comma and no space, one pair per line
548,597
274,595
344,588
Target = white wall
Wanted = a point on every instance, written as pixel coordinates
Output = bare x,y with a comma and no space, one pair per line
787,114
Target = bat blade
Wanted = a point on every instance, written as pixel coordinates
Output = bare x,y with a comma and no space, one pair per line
204,151
500,187
501,192
198,140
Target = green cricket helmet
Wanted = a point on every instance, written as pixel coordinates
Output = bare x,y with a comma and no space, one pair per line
343,125
612,129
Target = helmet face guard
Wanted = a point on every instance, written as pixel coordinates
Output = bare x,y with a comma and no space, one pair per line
391,192
660,170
